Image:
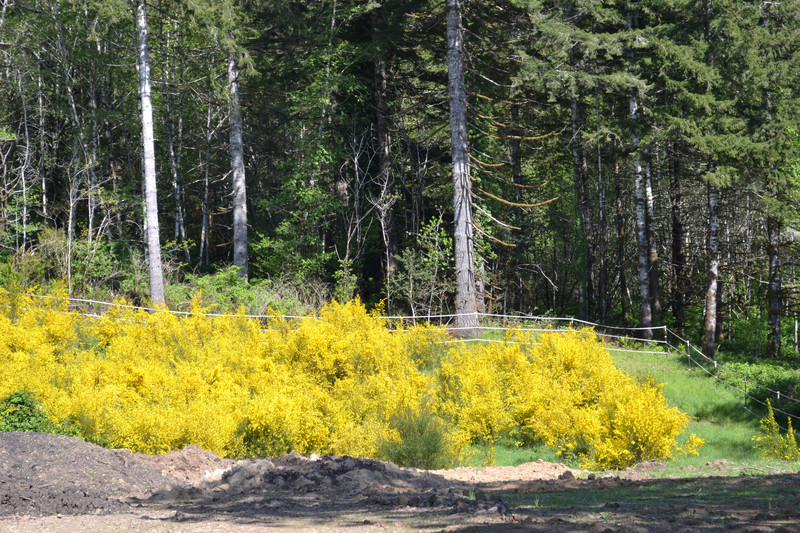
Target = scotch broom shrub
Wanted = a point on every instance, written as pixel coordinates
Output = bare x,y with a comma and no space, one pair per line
153,382
340,382
561,389
772,443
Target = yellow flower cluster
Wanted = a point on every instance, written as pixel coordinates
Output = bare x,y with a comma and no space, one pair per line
774,444
335,383
564,390
153,382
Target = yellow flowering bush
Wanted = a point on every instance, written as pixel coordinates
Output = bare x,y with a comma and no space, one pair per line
561,389
343,382
153,382
774,444
474,390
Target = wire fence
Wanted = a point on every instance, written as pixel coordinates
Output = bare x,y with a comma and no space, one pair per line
744,385
752,392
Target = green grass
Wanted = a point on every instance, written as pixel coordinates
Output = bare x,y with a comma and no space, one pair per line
506,454
718,416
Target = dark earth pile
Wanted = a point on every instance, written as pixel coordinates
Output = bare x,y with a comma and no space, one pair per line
61,484
44,474
52,474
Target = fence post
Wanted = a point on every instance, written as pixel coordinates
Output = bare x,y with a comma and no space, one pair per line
745,391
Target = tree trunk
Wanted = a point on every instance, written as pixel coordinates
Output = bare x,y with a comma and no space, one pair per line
413,184
42,137
719,333
73,202
652,249
204,252
678,253
516,159
23,177
386,178
774,287
642,247
577,177
466,295
602,288
3,14
710,325
78,148
237,165
149,161
175,150
641,229
92,163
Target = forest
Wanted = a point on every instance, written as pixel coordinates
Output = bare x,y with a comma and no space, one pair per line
628,162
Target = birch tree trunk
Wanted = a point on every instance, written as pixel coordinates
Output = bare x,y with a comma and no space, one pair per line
386,178
642,245
149,161
237,166
26,161
78,147
710,325
466,294
3,14
42,136
204,253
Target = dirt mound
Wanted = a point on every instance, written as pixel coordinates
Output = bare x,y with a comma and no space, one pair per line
44,474
539,470
327,478
49,474
62,484
191,463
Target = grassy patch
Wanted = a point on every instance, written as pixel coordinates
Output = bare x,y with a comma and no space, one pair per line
506,454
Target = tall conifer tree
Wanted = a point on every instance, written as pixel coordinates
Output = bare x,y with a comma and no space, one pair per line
149,159
466,294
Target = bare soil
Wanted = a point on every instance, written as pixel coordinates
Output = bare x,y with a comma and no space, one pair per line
57,483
